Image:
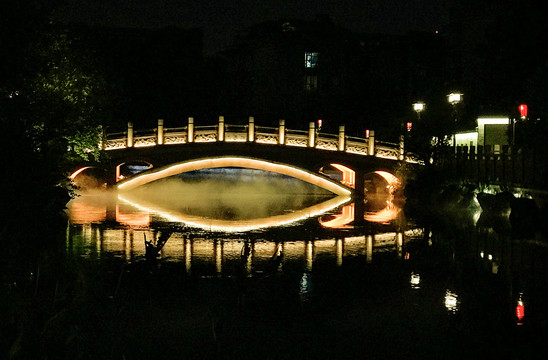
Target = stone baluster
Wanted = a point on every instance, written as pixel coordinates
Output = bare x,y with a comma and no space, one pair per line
129,134
342,144
311,134
190,130
371,143
160,133
251,129
281,132
221,129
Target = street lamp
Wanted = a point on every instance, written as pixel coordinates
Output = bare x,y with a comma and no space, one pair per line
454,98
418,107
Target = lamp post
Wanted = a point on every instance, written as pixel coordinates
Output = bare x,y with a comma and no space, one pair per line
454,99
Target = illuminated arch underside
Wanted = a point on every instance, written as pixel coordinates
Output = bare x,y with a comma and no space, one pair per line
78,172
239,225
235,161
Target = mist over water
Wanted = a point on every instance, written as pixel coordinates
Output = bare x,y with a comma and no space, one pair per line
231,194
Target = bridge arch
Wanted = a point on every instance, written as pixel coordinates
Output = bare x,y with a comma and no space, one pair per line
235,161
141,165
88,177
348,176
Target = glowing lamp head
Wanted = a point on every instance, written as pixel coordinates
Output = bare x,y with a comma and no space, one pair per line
418,107
454,98
523,110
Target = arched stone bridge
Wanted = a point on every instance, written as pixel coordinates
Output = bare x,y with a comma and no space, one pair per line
323,159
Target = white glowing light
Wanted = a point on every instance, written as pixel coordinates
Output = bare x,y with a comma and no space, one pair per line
415,281
418,107
454,98
493,121
233,161
451,301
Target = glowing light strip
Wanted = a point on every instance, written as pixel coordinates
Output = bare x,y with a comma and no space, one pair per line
240,225
77,172
232,161
493,121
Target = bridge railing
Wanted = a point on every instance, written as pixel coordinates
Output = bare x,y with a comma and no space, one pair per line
257,134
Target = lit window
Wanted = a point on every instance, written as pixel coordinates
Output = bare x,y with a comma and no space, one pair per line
310,59
310,82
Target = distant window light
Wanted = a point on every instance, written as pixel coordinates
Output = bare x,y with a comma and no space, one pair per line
310,59
310,82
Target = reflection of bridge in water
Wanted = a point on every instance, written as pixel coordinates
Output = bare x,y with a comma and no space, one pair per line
131,211
221,256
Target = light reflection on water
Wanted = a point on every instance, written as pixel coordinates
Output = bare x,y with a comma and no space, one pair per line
327,233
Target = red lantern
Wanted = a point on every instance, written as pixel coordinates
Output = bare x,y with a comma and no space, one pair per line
523,110
367,133
409,126
520,311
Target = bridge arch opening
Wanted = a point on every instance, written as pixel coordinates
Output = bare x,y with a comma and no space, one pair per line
131,168
88,177
381,182
237,162
341,173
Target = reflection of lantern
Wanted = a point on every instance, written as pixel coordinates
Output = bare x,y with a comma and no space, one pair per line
523,111
520,311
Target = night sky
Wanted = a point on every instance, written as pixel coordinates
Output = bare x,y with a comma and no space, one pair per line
221,20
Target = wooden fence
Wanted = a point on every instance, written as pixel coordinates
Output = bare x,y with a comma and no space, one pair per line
496,165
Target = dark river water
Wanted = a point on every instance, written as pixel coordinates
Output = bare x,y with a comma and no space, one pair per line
224,269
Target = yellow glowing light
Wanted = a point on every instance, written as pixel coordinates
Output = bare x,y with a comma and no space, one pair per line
340,220
239,225
233,161
393,182
85,213
384,216
349,175
133,220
